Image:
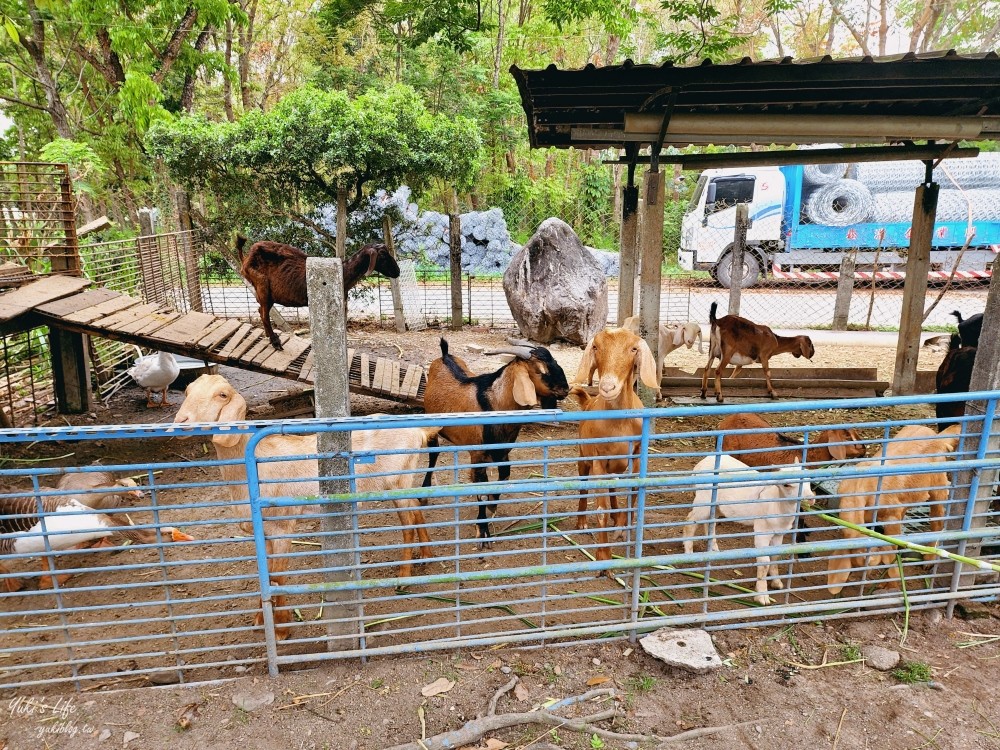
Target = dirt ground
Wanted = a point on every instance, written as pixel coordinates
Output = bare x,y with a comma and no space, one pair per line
767,679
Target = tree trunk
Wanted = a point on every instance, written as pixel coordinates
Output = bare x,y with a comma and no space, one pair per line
187,93
227,84
35,46
246,41
883,25
498,54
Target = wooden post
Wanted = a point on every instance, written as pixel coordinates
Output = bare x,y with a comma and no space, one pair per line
193,282
70,371
737,253
985,377
69,260
651,245
845,287
325,287
397,295
629,252
455,246
342,223
150,268
915,289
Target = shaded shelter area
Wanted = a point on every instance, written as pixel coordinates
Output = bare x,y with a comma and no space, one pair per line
901,107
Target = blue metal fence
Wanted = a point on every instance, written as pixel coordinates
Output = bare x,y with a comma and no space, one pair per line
191,610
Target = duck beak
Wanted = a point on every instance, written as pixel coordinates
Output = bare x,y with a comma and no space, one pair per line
180,536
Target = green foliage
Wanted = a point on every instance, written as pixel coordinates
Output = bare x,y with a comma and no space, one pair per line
616,16
911,672
414,22
298,154
701,29
85,165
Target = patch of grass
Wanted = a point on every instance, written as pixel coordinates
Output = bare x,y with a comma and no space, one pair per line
912,672
850,652
642,683
377,683
240,716
596,743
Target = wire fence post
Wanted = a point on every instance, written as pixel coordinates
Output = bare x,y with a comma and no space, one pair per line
738,251
455,246
325,286
394,288
845,288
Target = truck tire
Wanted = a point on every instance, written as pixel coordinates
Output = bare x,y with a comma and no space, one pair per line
751,269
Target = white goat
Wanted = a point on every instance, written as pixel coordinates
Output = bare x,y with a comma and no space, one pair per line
671,336
211,398
763,500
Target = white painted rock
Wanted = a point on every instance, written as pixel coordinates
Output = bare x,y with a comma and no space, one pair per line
692,650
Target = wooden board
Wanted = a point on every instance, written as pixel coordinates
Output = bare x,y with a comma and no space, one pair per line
187,329
248,342
75,302
394,378
241,333
269,350
279,361
377,381
831,373
411,383
220,333
257,349
155,321
102,310
126,318
30,296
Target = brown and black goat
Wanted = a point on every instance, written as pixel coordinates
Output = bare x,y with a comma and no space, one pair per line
616,354
277,273
773,449
741,342
532,378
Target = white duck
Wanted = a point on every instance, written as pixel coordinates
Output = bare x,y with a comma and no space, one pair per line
155,372
68,523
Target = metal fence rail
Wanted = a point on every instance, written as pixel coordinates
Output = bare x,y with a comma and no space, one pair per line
188,608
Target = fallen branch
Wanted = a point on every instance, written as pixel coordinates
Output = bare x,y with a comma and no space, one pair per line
491,708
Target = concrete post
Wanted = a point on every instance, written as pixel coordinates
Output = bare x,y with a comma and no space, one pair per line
915,289
150,268
845,287
651,245
738,251
325,286
629,252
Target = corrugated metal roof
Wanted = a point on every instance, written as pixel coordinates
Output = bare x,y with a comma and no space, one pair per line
939,84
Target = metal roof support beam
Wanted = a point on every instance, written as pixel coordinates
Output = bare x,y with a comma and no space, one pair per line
915,287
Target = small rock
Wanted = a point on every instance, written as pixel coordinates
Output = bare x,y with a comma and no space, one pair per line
596,662
129,737
692,650
249,702
104,735
241,668
475,348
882,659
505,669
758,728
164,677
969,610
933,617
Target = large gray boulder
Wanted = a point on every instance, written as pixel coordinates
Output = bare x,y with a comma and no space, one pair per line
555,287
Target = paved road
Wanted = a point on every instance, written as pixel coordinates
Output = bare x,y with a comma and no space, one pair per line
781,307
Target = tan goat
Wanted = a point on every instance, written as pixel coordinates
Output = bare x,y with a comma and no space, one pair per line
861,502
211,398
615,354
741,342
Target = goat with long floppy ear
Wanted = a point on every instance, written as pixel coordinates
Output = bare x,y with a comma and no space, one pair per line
645,365
524,390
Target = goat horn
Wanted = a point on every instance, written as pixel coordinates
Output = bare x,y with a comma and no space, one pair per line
522,352
520,343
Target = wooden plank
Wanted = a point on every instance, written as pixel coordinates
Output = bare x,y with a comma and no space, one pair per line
411,382
247,343
366,373
30,296
75,302
154,319
306,375
265,353
187,329
394,378
836,373
125,317
778,383
102,310
244,330
380,367
254,351
220,333
280,361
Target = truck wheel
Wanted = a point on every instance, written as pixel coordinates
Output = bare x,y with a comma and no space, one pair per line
751,270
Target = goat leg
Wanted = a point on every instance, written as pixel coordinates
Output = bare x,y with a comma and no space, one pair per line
767,377
265,320
763,568
10,585
277,564
583,469
937,499
432,459
486,503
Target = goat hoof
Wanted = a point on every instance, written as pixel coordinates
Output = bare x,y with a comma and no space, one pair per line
764,599
485,545
718,399
618,536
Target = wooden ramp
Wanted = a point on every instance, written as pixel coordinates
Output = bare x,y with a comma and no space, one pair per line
789,382
64,302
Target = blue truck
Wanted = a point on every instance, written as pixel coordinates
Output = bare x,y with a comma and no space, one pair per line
781,239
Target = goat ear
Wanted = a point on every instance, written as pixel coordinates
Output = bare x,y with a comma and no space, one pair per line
234,411
647,366
372,258
524,389
839,452
587,364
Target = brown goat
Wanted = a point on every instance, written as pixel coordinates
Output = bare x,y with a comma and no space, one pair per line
884,500
277,273
616,354
742,342
825,445
532,378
